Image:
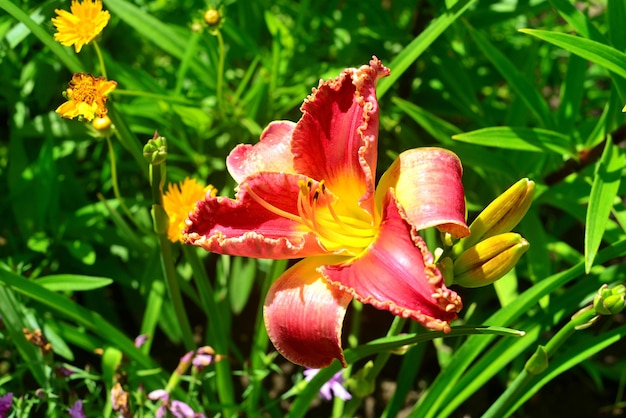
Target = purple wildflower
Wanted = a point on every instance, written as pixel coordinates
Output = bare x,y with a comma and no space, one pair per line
141,340
334,385
5,404
76,411
178,409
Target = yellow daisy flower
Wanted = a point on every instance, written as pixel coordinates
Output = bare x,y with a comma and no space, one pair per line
180,199
86,97
82,25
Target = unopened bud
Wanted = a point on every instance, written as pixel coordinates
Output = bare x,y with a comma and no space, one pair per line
360,384
538,362
610,301
212,18
489,260
501,215
102,125
155,150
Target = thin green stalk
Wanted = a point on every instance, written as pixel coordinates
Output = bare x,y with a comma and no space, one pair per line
156,96
220,68
261,341
157,178
218,336
116,189
379,363
189,56
501,408
103,68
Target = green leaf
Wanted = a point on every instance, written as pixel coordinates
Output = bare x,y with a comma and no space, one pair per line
412,51
241,282
523,139
72,282
599,53
603,191
519,82
64,55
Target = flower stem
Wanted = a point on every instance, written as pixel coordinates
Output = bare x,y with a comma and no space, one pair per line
190,53
379,362
103,68
116,189
519,386
258,357
157,178
218,336
220,68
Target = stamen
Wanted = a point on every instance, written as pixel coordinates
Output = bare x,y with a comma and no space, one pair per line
273,208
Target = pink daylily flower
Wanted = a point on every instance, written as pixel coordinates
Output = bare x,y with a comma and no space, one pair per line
307,190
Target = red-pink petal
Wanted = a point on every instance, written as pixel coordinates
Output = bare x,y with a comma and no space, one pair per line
336,139
396,273
304,315
272,153
246,228
427,183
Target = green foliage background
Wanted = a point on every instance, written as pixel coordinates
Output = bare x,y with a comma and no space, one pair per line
516,88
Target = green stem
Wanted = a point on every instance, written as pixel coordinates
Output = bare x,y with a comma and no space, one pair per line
157,179
103,69
220,68
218,336
156,96
187,59
501,408
379,363
261,341
116,189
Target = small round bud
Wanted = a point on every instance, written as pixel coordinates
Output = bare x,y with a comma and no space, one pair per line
102,124
212,17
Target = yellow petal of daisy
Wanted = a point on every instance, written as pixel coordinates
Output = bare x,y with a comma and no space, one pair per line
82,25
86,97
180,199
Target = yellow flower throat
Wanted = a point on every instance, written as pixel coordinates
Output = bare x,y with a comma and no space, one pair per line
339,227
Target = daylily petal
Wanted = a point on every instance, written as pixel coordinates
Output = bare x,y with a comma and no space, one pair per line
272,153
304,315
336,139
247,228
396,272
427,183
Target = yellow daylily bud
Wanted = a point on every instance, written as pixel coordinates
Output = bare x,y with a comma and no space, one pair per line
489,260
501,215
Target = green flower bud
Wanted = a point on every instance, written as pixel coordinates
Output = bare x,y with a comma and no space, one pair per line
501,215
360,383
610,301
489,260
155,150
538,362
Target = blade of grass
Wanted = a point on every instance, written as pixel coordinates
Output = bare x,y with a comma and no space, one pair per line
603,192
13,318
412,51
439,392
523,139
596,52
526,91
68,59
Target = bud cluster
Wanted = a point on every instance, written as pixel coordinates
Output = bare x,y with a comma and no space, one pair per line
491,250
